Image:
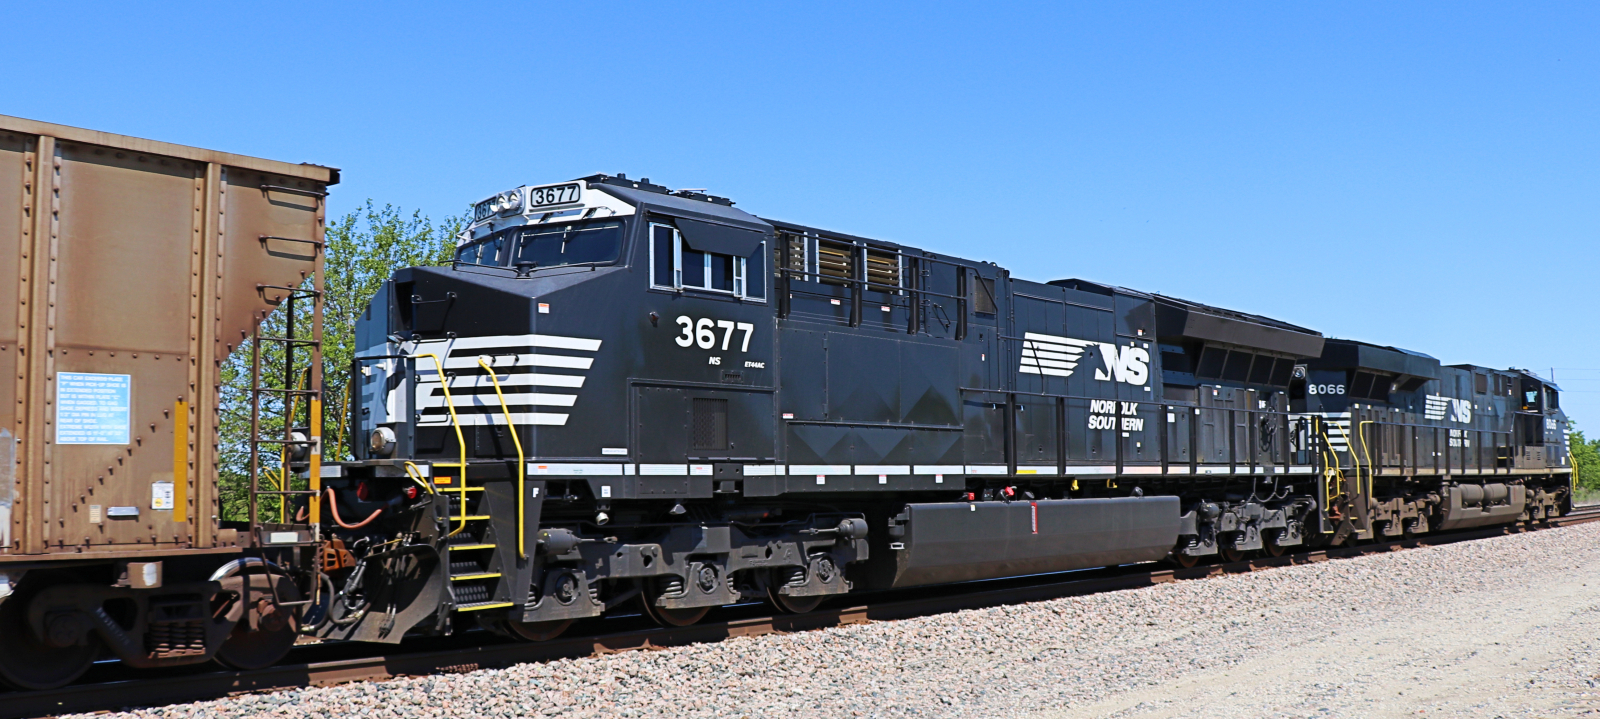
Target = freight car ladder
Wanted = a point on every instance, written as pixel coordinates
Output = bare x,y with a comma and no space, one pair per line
469,546
299,383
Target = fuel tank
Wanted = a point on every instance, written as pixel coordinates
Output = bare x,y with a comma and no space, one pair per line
963,541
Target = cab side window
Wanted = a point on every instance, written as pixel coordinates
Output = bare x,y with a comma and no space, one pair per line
680,263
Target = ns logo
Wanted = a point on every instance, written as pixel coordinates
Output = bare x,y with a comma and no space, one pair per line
1129,365
1055,355
1438,406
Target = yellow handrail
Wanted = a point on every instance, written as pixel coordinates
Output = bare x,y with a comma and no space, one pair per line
461,442
1572,477
1363,435
415,473
522,462
1349,448
1347,444
1332,460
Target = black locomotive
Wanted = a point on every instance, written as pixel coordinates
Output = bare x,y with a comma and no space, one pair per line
621,395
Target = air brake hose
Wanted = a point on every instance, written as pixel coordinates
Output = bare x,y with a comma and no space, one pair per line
333,505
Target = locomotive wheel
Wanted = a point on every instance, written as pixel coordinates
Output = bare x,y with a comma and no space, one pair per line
276,630
29,663
1187,561
537,631
1273,548
794,605
526,631
1229,554
668,617
674,617
786,603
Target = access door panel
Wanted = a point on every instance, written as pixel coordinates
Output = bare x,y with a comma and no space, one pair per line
682,424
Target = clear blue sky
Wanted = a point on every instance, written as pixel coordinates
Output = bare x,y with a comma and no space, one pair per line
1415,174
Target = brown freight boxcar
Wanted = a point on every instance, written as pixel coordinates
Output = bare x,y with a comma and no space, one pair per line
130,270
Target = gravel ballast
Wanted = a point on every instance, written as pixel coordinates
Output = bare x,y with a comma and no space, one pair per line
1503,627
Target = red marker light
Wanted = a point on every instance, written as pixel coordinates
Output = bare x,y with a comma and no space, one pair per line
412,492
363,492
1010,491
970,496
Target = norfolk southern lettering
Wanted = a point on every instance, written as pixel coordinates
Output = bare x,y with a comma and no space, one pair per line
661,401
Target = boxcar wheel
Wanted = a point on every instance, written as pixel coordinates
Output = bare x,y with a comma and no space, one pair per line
276,628
27,662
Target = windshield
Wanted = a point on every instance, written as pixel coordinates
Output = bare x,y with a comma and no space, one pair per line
490,250
547,245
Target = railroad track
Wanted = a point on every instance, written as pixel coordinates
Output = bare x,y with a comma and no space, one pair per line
324,665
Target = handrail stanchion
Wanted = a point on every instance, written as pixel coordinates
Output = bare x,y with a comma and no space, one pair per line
522,461
461,442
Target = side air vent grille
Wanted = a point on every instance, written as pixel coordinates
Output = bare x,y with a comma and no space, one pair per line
710,423
797,255
883,269
835,262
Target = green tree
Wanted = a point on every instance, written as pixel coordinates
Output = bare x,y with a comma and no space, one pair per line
363,248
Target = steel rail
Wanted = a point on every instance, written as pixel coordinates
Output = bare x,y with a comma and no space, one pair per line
142,689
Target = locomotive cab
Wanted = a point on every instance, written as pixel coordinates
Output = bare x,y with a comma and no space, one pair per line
564,302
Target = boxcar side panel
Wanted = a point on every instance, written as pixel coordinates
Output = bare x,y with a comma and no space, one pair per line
15,149
121,298
135,268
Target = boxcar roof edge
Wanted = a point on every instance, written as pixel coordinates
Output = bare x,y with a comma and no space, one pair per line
316,173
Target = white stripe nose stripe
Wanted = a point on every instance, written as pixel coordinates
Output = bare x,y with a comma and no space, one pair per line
425,367
465,357
465,401
525,379
552,341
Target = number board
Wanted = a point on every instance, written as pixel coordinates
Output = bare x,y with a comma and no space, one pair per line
554,195
483,210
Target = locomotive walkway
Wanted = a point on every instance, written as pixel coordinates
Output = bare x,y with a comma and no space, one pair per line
321,665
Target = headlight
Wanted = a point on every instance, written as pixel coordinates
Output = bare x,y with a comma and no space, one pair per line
299,451
510,201
381,441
